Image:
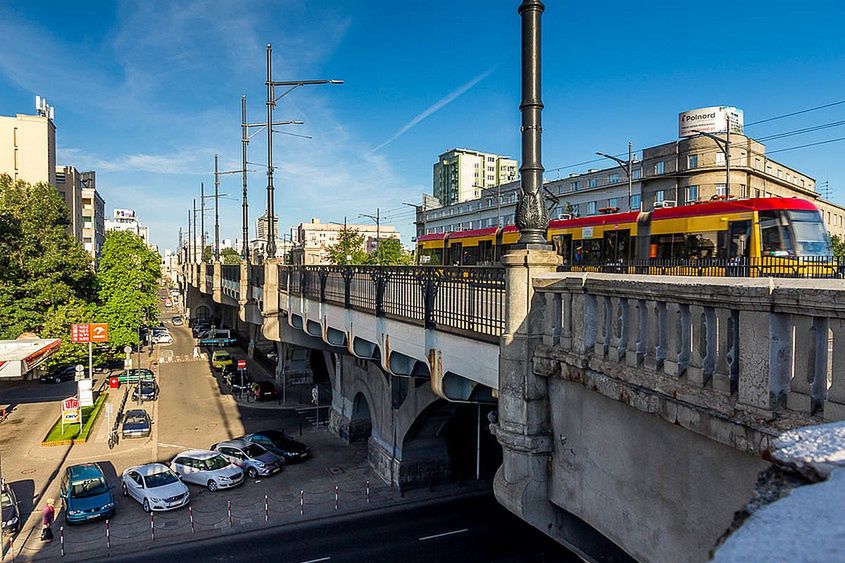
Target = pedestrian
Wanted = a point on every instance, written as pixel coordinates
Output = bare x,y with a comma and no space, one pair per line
47,518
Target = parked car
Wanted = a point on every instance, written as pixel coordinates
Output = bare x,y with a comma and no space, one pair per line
220,359
149,391
273,357
136,424
280,444
11,514
85,493
199,327
232,378
67,373
155,486
252,458
264,391
176,321
135,375
162,338
207,469
109,364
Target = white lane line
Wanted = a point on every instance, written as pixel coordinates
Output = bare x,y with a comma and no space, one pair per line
452,533
174,446
316,560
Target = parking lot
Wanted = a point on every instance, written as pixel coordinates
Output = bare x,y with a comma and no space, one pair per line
193,410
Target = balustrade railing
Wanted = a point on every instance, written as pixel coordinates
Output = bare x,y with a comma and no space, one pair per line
256,275
231,272
817,267
755,345
462,300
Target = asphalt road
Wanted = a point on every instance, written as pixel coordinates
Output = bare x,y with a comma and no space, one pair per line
462,530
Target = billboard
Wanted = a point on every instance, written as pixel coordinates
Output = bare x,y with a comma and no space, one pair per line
712,119
124,213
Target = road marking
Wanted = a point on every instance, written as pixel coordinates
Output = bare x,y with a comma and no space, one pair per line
316,560
177,446
452,533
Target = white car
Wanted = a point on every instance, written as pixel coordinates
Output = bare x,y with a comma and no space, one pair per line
207,469
162,338
155,486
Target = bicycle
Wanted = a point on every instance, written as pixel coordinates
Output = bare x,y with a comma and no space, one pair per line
114,439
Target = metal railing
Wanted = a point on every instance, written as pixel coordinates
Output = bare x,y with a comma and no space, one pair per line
462,300
256,275
826,267
232,272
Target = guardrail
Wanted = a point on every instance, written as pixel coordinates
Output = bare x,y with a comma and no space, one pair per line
463,300
825,267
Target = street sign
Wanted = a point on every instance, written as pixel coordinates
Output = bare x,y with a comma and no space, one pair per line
71,403
99,332
80,333
241,364
70,412
86,393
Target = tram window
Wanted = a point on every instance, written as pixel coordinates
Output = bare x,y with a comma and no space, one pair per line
739,235
588,250
702,245
470,256
617,245
666,247
811,238
775,237
563,246
485,252
455,254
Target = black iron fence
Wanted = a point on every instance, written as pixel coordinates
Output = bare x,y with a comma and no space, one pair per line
461,300
256,275
232,272
826,267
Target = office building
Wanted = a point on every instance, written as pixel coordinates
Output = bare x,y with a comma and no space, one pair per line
461,174
263,227
28,146
125,220
69,185
93,215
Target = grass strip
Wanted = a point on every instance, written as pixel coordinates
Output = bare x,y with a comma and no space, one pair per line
72,434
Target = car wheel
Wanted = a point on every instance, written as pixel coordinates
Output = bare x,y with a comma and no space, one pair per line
252,473
146,505
124,490
212,485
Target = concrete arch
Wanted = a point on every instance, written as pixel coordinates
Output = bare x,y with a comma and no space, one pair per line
203,313
360,421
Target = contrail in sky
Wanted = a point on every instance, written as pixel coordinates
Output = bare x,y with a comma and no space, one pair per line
435,107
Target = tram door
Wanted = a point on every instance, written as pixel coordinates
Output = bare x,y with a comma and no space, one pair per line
617,245
563,246
739,239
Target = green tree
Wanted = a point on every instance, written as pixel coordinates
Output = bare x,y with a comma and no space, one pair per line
230,256
391,253
129,275
349,248
44,269
207,254
838,247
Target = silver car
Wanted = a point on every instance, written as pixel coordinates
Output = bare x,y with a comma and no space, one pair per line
252,458
207,469
155,486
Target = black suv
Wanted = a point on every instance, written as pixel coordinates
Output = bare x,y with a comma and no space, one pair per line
59,375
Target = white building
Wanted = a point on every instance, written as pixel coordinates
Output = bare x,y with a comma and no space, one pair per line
314,239
125,220
461,174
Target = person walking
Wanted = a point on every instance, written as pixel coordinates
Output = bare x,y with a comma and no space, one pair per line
47,517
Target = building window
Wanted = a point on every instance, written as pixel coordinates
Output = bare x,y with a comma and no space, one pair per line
659,167
659,196
613,202
635,201
743,191
576,210
592,182
692,194
720,158
692,161
491,159
721,190
574,186
613,179
591,208
637,173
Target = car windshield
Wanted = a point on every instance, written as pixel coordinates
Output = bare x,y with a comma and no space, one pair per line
147,385
216,462
254,450
5,499
88,487
137,419
222,355
811,238
160,479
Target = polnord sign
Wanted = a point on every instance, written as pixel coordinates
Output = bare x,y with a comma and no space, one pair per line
713,119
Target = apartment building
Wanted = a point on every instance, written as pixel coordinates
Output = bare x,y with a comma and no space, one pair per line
28,147
461,174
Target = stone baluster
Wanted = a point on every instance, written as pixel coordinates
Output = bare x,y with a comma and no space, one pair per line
808,385
677,339
618,335
655,352
566,319
765,357
834,406
604,328
583,323
636,332
553,319
698,346
726,369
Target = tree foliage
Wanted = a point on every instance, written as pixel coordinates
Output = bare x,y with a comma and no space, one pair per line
230,256
391,253
838,244
129,275
349,248
44,269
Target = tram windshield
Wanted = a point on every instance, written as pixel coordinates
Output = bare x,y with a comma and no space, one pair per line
793,233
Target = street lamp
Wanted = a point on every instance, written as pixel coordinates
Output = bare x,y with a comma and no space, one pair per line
377,219
725,146
421,210
271,103
626,166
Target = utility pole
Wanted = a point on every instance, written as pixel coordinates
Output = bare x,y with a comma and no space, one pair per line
194,255
245,205
725,146
377,219
216,213
271,103
202,222
627,167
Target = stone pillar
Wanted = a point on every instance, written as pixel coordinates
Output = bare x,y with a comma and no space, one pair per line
834,406
523,428
618,338
271,312
765,359
217,283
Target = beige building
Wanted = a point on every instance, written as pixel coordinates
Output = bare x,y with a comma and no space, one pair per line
93,216
263,226
28,148
69,185
314,239
461,174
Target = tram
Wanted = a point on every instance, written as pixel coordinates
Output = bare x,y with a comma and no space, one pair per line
746,231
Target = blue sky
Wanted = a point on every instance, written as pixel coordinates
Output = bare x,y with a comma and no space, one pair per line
147,92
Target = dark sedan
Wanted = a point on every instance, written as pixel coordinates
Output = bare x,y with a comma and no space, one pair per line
136,424
11,513
60,375
279,444
149,391
232,377
264,391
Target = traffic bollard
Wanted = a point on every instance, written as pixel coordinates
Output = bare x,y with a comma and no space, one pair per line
368,491
229,510
335,496
301,503
108,535
152,526
62,539
266,509
12,548
191,518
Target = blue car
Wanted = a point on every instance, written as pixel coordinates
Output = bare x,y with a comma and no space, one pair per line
149,391
136,424
86,494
